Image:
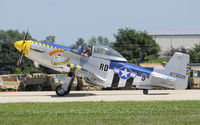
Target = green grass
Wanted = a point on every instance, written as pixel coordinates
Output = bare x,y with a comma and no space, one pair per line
84,113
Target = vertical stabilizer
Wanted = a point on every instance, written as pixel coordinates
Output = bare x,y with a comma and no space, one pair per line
178,67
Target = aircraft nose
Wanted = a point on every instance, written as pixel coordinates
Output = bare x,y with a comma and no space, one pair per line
19,45
23,46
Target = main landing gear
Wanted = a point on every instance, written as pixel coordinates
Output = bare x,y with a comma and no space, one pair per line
65,88
145,91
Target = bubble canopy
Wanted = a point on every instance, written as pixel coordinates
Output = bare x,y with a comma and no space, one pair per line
107,53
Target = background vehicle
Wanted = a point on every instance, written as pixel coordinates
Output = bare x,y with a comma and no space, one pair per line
9,83
41,81
194,79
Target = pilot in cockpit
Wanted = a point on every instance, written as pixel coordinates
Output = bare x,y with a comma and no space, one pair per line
88,51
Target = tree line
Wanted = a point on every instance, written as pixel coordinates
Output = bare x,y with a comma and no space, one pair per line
130,43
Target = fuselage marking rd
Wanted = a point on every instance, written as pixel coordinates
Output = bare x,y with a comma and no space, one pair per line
103,67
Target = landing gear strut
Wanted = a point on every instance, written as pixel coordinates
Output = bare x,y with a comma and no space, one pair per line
145,91
64,89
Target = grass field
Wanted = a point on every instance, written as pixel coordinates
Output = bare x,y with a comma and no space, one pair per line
84,113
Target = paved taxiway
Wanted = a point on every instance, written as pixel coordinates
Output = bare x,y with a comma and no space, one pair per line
126,95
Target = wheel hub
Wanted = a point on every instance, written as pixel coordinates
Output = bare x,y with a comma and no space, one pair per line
61,90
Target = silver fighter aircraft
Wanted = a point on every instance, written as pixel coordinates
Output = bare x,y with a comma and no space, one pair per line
105,67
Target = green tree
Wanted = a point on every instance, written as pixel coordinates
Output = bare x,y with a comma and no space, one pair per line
79,42
50,39
100,40
9,55
132,44
195,54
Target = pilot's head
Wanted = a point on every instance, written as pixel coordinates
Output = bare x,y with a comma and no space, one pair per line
88,48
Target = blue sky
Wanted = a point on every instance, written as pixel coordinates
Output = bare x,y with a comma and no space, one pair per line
71,19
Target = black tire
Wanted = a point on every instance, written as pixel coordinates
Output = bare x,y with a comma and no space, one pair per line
68,90
145,91
60,91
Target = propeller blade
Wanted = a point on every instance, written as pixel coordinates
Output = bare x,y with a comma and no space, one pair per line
20,58
21,53
25,37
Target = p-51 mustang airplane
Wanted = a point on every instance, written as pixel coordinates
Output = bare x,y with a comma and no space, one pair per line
105,67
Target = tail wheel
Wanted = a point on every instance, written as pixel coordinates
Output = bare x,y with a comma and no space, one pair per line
145,91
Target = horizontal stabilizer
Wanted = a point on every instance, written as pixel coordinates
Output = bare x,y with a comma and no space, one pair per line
163,77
